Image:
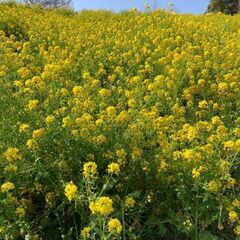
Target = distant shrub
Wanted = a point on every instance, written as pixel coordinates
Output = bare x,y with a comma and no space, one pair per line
65,11
225,6
9,2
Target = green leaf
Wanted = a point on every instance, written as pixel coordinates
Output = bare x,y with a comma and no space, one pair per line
162,230
205,235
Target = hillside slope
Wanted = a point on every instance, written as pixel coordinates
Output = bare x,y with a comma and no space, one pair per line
119,126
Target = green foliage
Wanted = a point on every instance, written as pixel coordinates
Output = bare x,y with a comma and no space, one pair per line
9,2
65,11
224,6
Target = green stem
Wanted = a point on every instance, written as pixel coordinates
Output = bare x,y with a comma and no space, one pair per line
123,223
104,187
196,217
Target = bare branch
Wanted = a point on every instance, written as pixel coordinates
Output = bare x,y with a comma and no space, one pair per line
50,3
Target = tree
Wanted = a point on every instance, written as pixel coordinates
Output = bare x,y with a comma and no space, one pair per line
225,6
50,3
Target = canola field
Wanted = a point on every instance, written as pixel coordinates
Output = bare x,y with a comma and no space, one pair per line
119,125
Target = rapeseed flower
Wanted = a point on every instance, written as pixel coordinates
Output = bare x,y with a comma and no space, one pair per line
7,186
71,191
20,211
113,168
233,216
85,233
32,104
103,206
23,127
89,169
129,202
12,154
115,225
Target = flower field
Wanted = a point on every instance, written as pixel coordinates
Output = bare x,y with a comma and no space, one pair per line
119,125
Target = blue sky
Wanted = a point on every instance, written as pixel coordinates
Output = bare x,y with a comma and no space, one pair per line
183,6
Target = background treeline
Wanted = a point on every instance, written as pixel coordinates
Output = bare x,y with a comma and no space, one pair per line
43,3
225,6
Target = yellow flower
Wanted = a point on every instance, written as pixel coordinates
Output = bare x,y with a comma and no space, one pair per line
233,216
32,144
84,133
78,91
136,153
11,199
123,117
12,154
71,191
104,93
23,127
115,225
121,153
111,110
222,87
2,230
67,122
223,165
216,120
38,133
49,119
49,197
75,133
237,230
213,186
98,140
99,122
32,104
229,145
132,103
220,226
103,206
203,104
7,186
191,155
93,207
89,169
231,182
236,132
129,202
195,173
114,168
20,211
85,233
216,106
236,203
64,92
10,168
3,73
188,224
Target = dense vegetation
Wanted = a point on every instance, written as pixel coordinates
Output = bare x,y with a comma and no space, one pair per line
118,126
225,6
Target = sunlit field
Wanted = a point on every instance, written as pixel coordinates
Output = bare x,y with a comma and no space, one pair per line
119,125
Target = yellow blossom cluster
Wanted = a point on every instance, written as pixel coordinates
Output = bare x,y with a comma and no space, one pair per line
115,225
114,168
7,186
71,191
103,206
90,169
